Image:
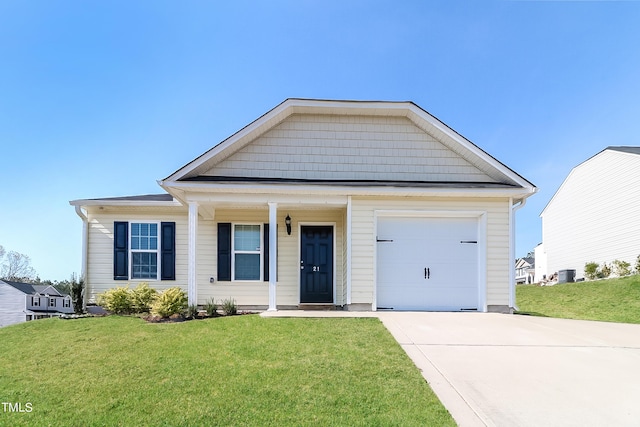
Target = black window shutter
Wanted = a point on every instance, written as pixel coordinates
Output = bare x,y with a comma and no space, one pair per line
120,250
168,251
224,251
265,244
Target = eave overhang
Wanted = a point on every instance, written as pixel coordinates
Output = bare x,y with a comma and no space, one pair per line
202,191
155,200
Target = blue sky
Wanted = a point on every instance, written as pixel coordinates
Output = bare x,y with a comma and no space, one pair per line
101,99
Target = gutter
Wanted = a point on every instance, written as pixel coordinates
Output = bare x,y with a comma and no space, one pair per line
85,237
512,251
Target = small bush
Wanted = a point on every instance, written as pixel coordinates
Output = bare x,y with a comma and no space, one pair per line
621,268
605,271
171,301
117,300
638,265
192,311
591,270
211,307
229,307
142,297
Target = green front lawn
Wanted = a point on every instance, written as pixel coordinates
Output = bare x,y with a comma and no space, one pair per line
243,370
613,300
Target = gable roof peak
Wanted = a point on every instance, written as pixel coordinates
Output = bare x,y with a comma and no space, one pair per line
407,109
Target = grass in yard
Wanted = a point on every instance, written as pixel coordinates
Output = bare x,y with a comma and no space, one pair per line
613,300
244,370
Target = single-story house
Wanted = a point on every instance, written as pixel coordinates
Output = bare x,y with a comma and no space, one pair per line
593,216
21,302
352,204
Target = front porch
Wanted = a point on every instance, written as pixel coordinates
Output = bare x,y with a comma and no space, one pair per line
269,252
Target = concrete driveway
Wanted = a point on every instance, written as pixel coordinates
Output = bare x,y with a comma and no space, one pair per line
510,370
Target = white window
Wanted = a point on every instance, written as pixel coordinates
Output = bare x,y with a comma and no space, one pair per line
66,303
247,252
35,301
52,302
144,250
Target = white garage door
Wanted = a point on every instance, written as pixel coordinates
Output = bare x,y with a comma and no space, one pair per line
427,263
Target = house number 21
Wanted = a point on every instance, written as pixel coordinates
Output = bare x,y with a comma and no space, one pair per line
316,268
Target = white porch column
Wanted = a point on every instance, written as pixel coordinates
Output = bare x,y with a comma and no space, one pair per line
349,246
192,278
273,254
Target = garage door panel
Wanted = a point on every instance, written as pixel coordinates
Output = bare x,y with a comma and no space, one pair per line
447,247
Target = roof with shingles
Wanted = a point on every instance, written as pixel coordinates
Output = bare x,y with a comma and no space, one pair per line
31,289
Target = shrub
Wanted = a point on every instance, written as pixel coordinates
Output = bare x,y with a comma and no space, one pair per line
77,295
229,307
192,311
142,297
638,265
605,271
211,307
621,268
591,270
171,301
117,300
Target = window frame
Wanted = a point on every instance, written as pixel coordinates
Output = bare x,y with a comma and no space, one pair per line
66,302
260,252
156,251
35,300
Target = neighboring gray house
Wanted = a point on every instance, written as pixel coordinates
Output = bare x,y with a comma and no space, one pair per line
595,214
525,270
21,302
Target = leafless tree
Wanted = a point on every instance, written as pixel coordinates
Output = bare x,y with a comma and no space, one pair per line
16,266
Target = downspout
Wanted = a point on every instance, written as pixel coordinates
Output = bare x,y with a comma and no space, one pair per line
512,250
85,238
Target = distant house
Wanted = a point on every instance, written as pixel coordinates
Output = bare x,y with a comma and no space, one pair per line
595,214
355,205
21,302
525,270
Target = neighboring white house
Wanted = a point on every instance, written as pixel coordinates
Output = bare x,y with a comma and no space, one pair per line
540,264
355,204
595,214
525,270
21,302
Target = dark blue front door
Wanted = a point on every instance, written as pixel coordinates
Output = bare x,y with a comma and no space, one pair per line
316,264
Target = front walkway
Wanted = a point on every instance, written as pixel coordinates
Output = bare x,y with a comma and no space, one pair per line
508,370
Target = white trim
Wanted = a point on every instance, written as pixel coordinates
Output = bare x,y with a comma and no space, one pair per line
512,250
157,250
321,223
273,254
192,256
481,218
349,231
219,196
108,202
294,191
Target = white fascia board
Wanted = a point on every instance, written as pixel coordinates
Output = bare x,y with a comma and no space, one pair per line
335,190
253,199
147,203
468,145
281,112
